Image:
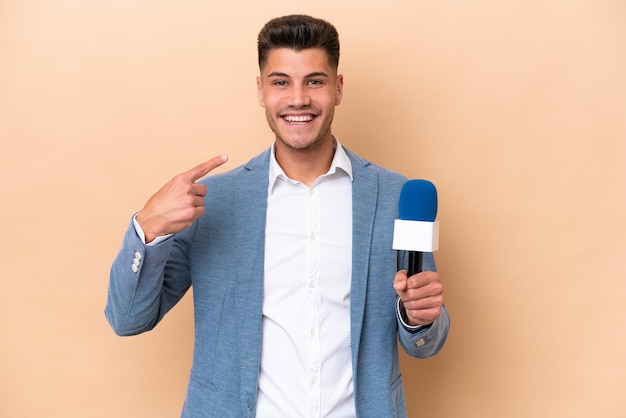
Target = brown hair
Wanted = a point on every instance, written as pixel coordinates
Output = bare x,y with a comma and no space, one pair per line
298,32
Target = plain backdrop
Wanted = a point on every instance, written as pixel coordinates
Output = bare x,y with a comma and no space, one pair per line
515,109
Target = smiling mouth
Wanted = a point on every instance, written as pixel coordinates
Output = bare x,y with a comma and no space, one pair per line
298,119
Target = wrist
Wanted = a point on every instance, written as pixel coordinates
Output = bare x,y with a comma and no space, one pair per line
147,228
147,237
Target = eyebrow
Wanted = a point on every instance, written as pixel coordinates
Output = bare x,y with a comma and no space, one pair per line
313,74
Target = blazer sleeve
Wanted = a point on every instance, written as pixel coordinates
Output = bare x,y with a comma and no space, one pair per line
428,341
140,290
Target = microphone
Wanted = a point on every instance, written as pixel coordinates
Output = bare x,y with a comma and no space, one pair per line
416,231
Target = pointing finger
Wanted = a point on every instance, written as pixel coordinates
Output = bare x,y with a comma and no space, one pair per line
203,169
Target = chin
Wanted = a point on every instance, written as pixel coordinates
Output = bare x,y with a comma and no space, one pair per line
303,144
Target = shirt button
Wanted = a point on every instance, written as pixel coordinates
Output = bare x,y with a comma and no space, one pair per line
420,342
137,256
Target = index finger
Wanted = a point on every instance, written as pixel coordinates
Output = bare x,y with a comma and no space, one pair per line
203,169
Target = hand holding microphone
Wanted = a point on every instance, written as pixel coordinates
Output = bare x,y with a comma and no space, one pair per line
416,231
178,203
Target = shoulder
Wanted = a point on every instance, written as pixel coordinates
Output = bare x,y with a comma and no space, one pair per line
361,166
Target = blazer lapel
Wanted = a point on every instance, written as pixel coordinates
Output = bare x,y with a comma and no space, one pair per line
364,196
250,238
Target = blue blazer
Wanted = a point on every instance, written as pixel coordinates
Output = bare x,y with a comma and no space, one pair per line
222,256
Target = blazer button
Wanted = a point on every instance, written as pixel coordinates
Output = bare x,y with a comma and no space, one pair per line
420,342
136,262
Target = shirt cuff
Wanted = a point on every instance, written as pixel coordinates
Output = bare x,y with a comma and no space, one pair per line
142,235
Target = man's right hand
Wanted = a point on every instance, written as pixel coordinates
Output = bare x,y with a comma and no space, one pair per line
177,204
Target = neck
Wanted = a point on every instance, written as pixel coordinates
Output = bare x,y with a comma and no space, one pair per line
305,165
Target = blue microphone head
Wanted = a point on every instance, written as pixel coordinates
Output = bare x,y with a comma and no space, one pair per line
418,201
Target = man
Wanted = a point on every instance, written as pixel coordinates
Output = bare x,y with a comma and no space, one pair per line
299,299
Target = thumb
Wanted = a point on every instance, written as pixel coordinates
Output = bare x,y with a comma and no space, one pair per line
400,281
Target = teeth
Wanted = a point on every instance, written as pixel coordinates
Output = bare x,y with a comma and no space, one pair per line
298,119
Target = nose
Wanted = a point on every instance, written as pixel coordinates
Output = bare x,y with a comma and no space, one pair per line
299,96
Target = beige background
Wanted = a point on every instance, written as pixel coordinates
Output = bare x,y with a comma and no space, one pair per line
515,109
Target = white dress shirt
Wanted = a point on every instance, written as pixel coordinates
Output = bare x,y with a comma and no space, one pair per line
306,361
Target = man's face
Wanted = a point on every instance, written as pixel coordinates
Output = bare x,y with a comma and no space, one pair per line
299,91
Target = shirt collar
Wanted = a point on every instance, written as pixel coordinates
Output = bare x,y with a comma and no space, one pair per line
340,161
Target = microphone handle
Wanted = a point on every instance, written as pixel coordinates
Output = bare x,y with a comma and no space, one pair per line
416,259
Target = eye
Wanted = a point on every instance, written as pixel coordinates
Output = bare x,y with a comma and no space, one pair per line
279,83
315,83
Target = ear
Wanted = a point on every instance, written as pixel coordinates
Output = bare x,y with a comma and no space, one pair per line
259,91
339,93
